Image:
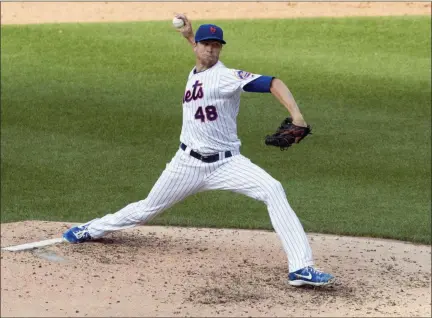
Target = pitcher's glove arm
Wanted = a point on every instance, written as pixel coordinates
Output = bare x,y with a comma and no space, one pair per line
287,134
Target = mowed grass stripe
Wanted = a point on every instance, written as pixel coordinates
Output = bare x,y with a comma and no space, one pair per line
91,114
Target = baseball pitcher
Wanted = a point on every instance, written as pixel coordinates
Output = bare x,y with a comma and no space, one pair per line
209,158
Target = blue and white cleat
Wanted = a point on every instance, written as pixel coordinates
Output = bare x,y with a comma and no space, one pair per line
77,234
310,276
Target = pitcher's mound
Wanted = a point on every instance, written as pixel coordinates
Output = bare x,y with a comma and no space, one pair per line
166,271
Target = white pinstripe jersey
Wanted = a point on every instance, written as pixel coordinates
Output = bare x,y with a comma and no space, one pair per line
210,106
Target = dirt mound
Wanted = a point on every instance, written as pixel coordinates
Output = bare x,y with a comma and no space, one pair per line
167,271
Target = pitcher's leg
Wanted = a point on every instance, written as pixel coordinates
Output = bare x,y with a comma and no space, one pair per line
242,176
177,181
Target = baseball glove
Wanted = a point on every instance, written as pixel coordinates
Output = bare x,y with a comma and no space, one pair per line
287,134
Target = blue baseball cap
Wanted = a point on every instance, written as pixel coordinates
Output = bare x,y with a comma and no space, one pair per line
209,32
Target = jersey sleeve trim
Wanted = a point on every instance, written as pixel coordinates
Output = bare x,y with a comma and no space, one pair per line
261,84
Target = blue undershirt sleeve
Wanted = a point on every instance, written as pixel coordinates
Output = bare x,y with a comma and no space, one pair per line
261,85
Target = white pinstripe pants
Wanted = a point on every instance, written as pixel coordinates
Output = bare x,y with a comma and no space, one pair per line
185,175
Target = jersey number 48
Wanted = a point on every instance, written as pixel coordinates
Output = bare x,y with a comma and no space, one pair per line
208,113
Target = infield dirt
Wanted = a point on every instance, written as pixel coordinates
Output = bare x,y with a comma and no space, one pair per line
170,271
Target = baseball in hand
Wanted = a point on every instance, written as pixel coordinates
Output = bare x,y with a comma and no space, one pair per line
177,23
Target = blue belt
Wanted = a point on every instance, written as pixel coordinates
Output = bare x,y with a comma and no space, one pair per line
207,159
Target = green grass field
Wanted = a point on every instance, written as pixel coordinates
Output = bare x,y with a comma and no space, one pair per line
91,114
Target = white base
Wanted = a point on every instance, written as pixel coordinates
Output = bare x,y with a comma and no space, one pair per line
33,245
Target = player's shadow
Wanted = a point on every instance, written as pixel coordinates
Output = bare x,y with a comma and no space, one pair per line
125,240
338,289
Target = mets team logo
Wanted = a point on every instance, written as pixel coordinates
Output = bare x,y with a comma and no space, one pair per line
242,74
212,29
194,94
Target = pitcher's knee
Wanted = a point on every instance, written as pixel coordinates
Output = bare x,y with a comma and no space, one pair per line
273,187
277,186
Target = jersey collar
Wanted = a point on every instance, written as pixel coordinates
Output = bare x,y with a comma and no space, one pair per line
214,66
